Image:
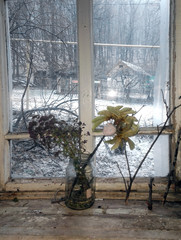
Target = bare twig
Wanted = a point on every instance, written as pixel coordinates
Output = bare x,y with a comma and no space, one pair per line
40,110
94,151
165,103
150,204
25,90
85,164
171,175
150,148
140,109
127,161
125,183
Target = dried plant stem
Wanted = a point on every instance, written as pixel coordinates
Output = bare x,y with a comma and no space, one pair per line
150,204
25,90
150,148
127,161
125,183
171,176
165,103
94,151
84,166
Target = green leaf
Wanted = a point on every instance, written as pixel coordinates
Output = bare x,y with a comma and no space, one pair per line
97,121
117,143
131,143
111,141
113,110
126,111
105,113
116,108
130,132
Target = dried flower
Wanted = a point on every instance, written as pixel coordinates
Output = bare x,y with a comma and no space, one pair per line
59,136
109,129
123,120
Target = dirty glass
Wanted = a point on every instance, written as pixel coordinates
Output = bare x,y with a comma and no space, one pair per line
131,66
43,40
131,56
115,163
43,77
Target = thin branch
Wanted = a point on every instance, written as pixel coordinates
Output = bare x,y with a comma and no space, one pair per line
127,161
85,164
125,183
94,151
25,90
144,158
40,110
150,204
171,177
165,103
140,109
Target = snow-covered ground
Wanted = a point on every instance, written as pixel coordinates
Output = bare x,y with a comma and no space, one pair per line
35,162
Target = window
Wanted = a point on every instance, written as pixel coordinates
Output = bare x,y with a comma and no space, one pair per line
56,70
131,69
43,38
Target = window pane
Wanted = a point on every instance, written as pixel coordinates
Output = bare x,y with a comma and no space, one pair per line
109,162
30,161
44,59
131,69
43,38
131,56
131,59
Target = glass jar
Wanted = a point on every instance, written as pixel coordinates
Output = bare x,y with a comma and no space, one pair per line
80,184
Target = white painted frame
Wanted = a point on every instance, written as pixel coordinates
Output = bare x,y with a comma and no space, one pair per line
85,46
175,75
86,90
4,100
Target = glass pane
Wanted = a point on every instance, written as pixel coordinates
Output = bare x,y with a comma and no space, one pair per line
131,59
109,162
131,56
43,40
31,161
43,76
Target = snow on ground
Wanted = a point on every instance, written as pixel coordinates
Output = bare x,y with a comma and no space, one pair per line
35,162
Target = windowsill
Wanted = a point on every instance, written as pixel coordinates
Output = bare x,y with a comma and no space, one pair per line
106,219
106,188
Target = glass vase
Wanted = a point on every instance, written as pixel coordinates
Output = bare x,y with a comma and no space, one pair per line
80,184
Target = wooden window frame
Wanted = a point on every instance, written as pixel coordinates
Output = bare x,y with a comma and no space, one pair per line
84,10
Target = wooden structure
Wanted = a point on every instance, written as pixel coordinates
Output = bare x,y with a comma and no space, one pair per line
123,66
128,77
26,214
106,219
26,211
106,188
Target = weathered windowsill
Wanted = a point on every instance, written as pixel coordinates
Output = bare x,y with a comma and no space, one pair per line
106,219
